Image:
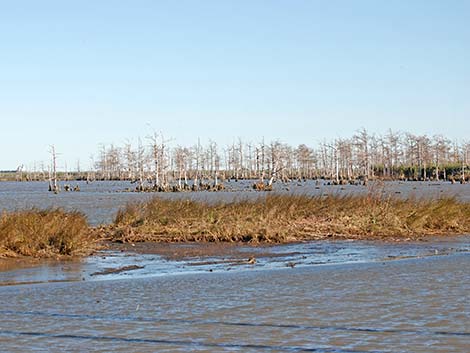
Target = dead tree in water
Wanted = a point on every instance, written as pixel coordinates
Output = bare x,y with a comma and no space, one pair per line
155,159
361,142
362,156
440,151
335,165
181,161
129,161
53,174
263,160
213,161
276,165
464,163
19,173
197,157
164,161
140,165
304,161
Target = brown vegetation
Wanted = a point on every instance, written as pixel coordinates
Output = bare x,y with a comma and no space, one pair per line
288,218
46,233
267,219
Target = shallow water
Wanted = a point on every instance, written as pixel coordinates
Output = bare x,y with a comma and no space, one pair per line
412,305
99,201
340,296
107,264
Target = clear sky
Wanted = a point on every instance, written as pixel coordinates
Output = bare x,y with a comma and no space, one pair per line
80,73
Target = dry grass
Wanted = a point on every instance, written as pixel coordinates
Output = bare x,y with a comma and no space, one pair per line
47,233
287,218
274,219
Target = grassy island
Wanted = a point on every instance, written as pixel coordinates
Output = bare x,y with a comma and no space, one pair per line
288,218
267,219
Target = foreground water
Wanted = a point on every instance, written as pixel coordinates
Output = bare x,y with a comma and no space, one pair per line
311,297
412,305
329,296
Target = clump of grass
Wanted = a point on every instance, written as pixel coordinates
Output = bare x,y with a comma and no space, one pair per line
43,233
289,218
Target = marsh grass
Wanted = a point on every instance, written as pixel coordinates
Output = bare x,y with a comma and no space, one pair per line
289,218
271,218
43,233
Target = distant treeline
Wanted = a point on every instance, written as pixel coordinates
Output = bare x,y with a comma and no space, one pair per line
395,155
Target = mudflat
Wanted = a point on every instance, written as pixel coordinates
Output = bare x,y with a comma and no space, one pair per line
416,304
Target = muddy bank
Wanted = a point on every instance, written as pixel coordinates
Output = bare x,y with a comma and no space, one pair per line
111,270
125,261
185,251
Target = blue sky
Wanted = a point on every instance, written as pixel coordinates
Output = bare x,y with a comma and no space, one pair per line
77,74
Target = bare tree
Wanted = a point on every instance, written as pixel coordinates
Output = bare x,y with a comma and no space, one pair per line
53,186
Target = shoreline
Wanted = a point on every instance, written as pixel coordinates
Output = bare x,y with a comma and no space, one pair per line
159,259
230,254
